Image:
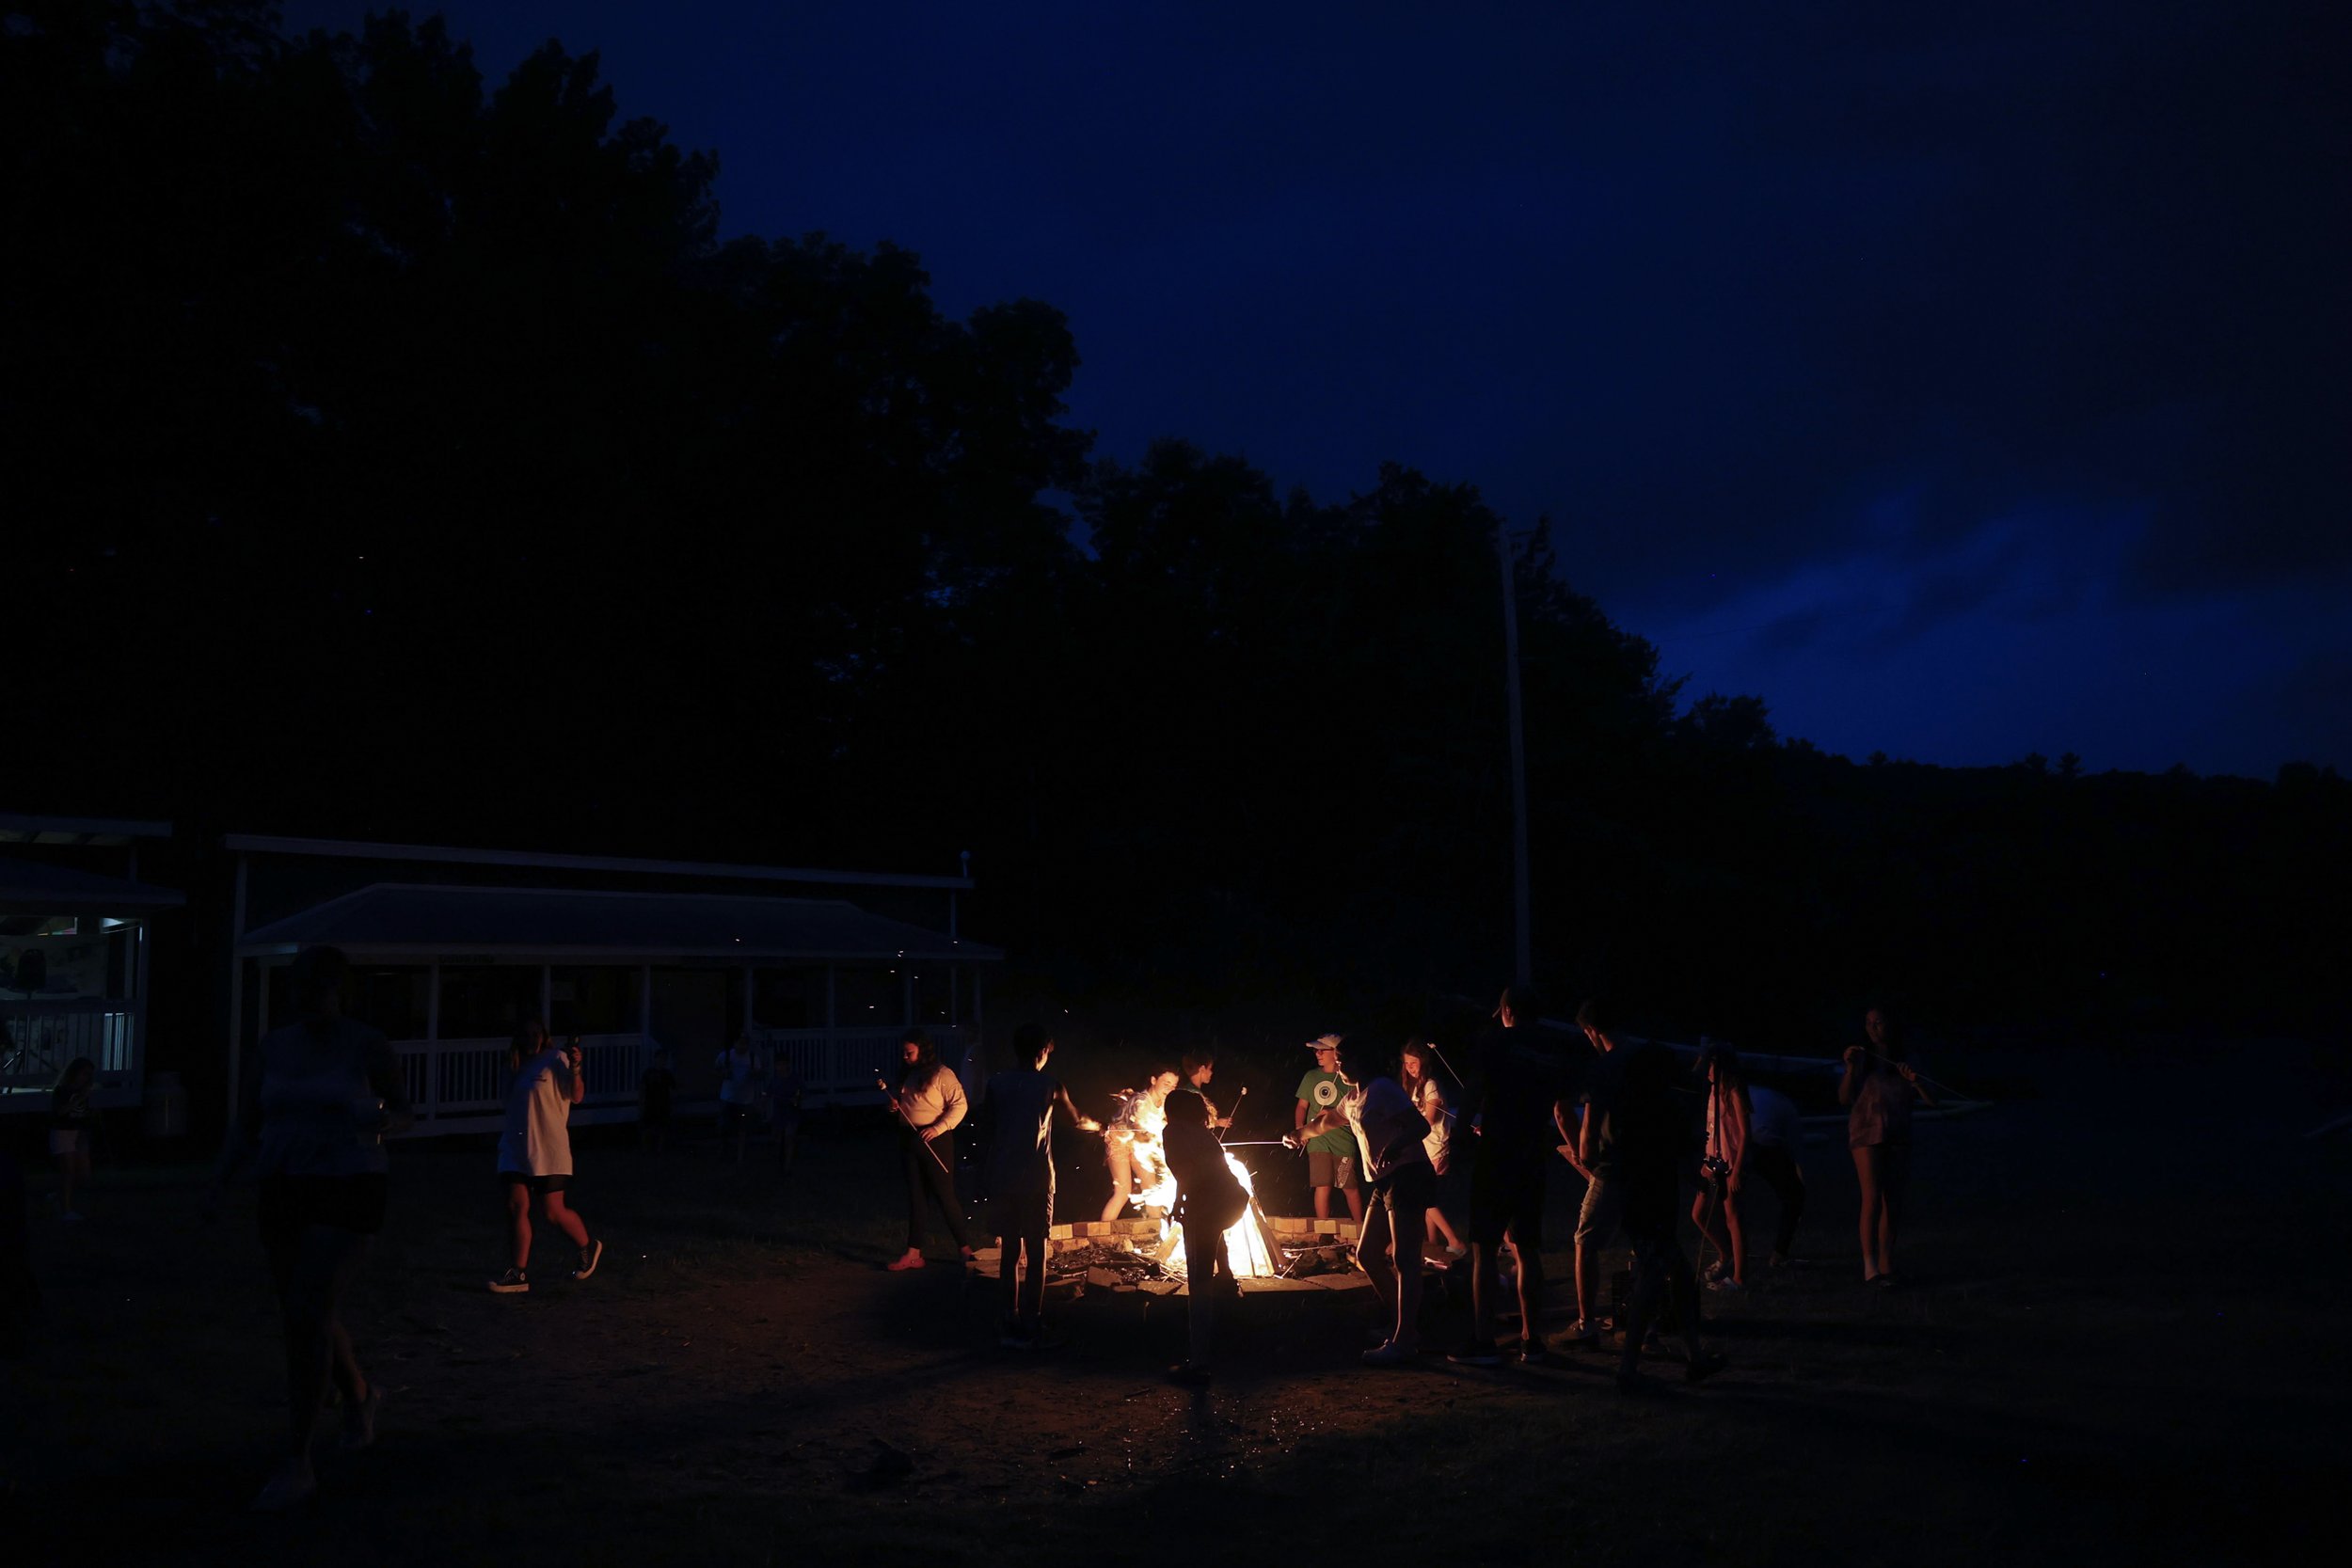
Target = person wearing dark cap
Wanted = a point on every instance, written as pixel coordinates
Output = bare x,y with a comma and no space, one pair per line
1520,1100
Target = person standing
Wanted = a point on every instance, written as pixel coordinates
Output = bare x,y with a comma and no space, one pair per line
1593,1153
1775,1143
1417,1074
1716,1210
1320,1126
1209,1202
740,1071
1388,1134
70,1131
929,1103
1132,1143
1198,1069
1879,1087
1020,1106
536,1153
785,1090
1520,1098
314,1108
1651,1146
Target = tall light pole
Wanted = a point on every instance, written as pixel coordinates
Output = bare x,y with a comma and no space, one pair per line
1524,952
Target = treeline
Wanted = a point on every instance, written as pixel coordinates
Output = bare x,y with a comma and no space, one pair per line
393,455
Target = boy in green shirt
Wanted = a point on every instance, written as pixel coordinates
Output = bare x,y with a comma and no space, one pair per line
1319,1125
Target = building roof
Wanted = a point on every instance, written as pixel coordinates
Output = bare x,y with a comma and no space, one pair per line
394,917
34,887
97,830
329,848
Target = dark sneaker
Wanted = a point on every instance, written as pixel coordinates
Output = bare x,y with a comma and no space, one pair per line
1533,1354
1705,1367
511,1283
1191,1374
588,1256
1582,1334
1389,1355
1476,1354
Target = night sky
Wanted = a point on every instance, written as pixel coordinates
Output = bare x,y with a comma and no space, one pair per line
1965,385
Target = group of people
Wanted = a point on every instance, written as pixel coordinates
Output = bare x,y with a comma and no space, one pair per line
1431,1170
749,1077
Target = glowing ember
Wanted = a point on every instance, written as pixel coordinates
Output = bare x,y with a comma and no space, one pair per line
1248,1242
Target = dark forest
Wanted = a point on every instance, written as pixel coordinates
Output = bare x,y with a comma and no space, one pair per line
392,455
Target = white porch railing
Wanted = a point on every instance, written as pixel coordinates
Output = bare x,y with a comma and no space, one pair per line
42,1037
839,1066
452,1082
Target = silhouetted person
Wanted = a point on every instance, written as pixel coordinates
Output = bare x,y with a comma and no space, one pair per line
1593,1150
1880,1084
740,1073
1420,1074
1209,1202
1196,1072
69,1119
1020,1106
930,1106
1776,1146
1519,1099
1651,1146
316,1106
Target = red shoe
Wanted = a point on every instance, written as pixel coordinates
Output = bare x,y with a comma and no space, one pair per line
912,1259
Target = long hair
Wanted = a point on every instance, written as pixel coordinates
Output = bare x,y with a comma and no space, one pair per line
530,1038
79,1067
919,1072
1893,1051
1417,1049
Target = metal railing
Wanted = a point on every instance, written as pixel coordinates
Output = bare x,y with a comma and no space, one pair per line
40,1037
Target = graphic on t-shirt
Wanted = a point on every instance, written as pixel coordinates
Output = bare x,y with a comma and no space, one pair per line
1327,1094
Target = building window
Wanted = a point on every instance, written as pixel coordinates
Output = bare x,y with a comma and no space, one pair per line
603,1000
393,998
790,998
488,1001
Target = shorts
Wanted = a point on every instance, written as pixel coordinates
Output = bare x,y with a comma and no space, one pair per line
1506,1199
540,1185
1603,1211
288,1205
65,1140
1409,1189
1327,1169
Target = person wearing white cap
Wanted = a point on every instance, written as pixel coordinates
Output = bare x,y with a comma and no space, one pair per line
1321,1127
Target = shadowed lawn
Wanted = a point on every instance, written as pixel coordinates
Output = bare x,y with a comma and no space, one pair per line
2108,1355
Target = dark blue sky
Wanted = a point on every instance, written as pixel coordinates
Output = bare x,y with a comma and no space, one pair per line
1964,387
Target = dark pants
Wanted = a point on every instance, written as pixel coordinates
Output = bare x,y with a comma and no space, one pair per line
1022,1221
1200,1290
934,1179
1778,1168
1650,1210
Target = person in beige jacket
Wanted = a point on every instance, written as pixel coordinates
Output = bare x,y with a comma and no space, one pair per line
929,1103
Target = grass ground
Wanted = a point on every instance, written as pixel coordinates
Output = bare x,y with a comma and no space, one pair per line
2124,1343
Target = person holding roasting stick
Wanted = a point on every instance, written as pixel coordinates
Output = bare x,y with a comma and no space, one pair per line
929,1103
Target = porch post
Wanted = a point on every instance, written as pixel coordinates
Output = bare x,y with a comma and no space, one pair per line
236,992
432,1095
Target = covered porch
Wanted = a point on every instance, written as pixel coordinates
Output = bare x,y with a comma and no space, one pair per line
74,948
449,971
